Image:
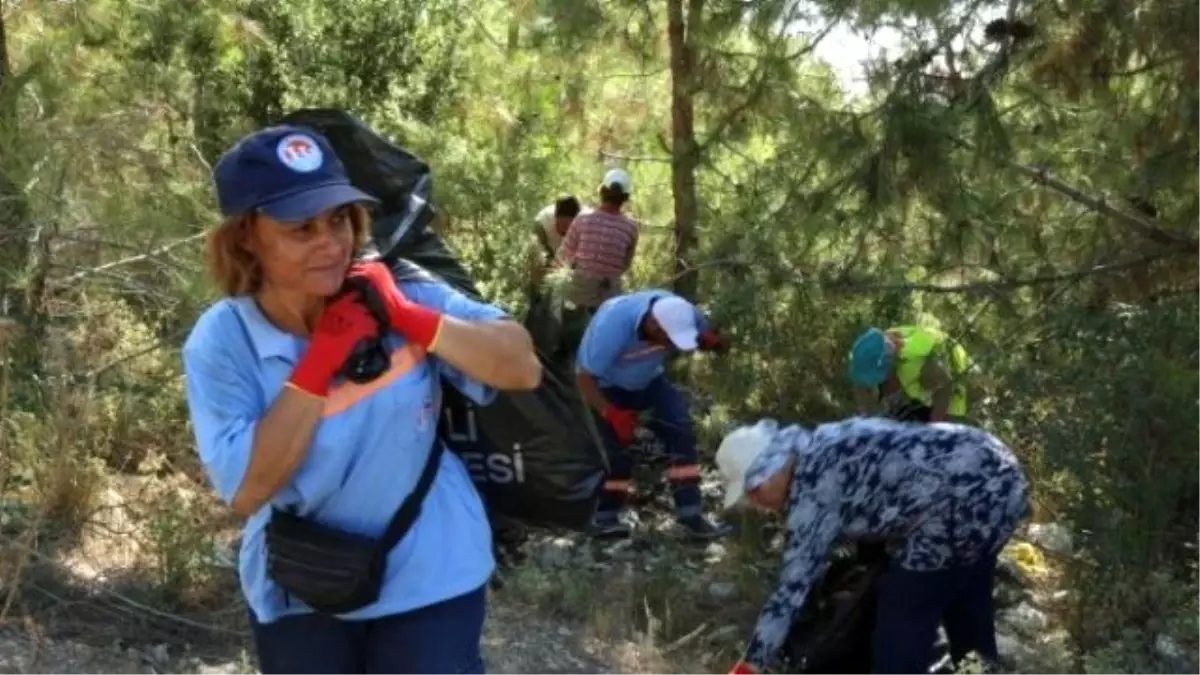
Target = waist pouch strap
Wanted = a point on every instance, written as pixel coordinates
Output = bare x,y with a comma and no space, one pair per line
333,571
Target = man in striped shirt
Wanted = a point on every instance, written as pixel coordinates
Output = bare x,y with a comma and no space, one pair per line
600,245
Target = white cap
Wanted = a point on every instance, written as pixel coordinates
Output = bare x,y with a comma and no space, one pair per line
677,317
737,453
618,178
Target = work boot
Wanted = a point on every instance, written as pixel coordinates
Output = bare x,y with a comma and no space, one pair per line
701,528
609,525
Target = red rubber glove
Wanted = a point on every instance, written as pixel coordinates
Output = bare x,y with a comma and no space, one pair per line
622,421
418,323
343,323
713,341
742,668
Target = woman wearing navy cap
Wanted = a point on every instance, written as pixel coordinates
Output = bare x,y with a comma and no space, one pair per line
319,463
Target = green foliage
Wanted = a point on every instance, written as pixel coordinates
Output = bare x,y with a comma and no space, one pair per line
1103,407
181,550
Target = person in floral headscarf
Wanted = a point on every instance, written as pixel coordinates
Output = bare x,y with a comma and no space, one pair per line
947,497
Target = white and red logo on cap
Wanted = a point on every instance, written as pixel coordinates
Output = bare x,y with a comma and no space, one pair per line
299,153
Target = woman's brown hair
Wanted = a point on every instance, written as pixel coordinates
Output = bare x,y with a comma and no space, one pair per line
235,268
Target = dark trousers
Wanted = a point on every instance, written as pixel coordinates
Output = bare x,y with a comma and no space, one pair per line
672,423
440,638
912,604
574,325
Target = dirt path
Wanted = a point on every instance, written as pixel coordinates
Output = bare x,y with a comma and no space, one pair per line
516,640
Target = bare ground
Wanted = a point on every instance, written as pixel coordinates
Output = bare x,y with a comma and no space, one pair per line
85,604
566,605
516,640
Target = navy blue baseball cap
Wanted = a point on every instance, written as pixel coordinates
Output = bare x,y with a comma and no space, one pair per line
291,173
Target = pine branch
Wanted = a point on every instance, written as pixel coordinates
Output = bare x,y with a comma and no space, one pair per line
845,285
760,86
1143,225
636,76
83,274
1002,285
94,375
1148,227
997,65
605,154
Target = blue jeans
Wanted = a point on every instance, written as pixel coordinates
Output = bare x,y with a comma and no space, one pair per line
912,604
440,638
672,423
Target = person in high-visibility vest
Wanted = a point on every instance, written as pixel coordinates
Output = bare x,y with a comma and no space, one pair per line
912,372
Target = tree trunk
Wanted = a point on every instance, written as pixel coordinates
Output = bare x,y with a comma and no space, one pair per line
24,248
683,140
14,210
3,52
6,221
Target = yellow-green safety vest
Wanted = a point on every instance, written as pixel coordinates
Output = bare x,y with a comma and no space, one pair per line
914,345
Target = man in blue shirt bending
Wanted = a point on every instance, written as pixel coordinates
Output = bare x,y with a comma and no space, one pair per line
620,371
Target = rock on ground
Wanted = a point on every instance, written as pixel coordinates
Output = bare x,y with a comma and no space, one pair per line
1053,537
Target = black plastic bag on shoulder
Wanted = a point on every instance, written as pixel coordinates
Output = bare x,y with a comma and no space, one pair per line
535,456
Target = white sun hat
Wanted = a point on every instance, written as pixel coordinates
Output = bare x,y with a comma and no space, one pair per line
737,453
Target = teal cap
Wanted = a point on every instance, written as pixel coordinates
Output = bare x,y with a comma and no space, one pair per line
869,359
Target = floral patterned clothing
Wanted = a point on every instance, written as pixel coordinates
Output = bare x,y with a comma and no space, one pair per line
944,494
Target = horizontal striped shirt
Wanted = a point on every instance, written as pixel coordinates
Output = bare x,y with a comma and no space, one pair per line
599,243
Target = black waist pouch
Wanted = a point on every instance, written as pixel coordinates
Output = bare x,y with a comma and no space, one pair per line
336,572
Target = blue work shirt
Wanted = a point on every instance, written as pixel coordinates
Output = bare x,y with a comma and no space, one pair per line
366,454
614,353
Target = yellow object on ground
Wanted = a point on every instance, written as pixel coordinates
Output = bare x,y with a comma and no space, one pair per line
1028,557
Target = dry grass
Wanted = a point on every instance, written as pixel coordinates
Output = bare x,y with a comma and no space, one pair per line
123,548
676,607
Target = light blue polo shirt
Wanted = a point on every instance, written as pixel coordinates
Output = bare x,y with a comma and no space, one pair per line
611,350
367,453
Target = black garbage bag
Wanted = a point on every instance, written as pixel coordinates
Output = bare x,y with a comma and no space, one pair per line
834,631
557,331
535,456
911,411
544,321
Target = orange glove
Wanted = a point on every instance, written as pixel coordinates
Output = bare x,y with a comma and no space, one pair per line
742,668
343,323
713,341
622,421
418,323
